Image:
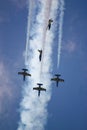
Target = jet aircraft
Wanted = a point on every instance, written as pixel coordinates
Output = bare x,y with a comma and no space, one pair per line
24,73
57,79
40,56
39,88
49,24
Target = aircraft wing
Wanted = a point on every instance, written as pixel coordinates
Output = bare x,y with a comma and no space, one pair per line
37,88
27,74
42,89
22,73
61,80
55,79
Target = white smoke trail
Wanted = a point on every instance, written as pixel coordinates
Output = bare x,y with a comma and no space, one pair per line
60,29
33,109
30,14
45,23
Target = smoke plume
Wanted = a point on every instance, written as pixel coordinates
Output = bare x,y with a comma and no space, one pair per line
33,109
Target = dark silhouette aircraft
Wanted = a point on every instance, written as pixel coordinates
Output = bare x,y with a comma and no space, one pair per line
49,24
57,79
40,56
39,88
24,73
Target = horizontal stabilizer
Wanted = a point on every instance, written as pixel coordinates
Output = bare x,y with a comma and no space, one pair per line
25,69
57,75
39,84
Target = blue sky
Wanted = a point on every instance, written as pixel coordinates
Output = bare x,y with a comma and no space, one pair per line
67,107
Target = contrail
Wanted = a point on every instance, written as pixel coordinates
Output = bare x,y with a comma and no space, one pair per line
33,109
47,11
29,25
60,29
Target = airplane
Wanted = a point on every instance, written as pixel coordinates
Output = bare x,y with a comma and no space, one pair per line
40,56
49,24
24,73
39,88
57,79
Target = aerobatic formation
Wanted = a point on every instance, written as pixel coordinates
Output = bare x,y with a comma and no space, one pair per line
56,79
45,20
